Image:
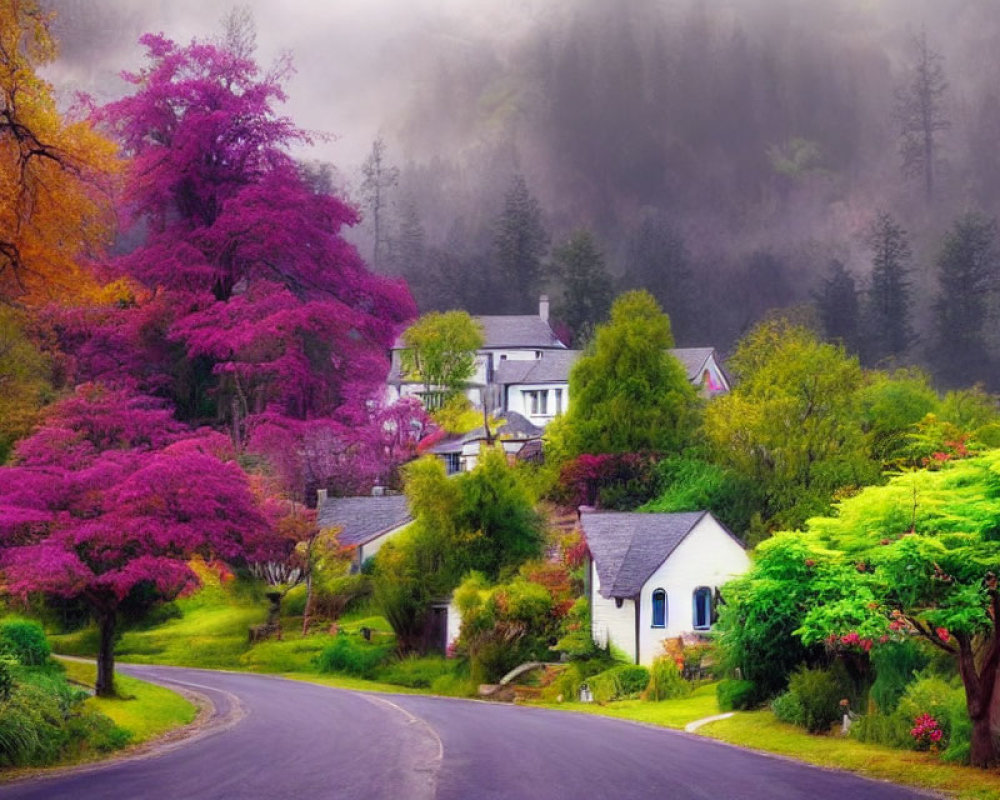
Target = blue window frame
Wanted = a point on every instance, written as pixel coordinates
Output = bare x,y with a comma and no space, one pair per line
702,608
659,609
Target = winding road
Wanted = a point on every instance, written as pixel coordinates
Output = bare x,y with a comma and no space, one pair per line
272,739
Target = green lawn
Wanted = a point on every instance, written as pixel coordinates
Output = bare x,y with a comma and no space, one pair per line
676,713
149,711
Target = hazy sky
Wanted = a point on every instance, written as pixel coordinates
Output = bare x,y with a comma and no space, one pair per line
355,59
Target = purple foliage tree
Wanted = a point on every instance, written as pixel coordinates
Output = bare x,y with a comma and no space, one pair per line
110,497
265,290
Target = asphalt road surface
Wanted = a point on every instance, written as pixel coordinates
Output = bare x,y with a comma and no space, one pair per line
273,739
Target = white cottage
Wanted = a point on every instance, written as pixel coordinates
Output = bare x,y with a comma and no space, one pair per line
655,576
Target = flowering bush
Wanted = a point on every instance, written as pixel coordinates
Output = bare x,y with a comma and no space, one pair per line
926,732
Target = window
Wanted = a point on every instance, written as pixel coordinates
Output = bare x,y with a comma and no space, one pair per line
659,609
702,608
537,402
452,463
559,408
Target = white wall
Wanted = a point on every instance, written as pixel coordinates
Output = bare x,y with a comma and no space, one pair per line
708,556
608,623
370,548
517,402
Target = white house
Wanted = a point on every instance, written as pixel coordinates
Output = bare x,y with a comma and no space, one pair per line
366,522
655,576
505,338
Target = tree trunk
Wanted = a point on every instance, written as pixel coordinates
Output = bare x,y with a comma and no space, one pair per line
307,611
105,685
979,691
983,751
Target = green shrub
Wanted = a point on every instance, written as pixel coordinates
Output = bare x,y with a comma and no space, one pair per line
665,681
934,696
7,683
819,693
352,658
620,681
25,641
735,694
895,666
32,727
417,673
788,708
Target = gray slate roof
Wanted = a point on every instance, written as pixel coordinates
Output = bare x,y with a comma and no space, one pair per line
363,518
552,367
517,427
693,359
525,331
629,547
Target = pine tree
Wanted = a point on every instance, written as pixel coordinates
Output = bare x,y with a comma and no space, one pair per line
658,261
519,243
966,268
378,178
587,290
837,303
919,113
888,331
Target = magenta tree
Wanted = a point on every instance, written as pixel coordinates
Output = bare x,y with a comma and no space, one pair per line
273,311
111,498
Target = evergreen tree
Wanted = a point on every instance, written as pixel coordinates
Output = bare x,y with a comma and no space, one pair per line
920,115
966,267
837,303
888,332
587,296
519,243
658,261
378,179
628,394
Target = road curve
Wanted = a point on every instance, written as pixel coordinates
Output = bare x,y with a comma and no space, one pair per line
274,738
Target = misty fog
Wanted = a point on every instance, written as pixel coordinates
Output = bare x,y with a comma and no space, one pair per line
725,155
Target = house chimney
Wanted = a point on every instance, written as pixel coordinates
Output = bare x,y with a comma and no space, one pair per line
320,497
543,307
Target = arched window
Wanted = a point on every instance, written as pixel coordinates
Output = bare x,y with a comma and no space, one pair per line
659,609
702,608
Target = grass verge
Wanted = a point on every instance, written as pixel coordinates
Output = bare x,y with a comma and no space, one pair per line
759,730
145,710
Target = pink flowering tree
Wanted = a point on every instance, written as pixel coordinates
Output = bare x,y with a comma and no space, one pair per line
111,497
272,311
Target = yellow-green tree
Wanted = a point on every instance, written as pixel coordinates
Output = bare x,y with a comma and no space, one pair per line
793,423
55,174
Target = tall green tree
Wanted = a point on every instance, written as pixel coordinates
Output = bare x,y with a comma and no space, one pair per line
520,242
888,328
587,293
627,393
966,271
792,423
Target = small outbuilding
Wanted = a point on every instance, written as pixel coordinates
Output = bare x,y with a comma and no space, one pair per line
366,522
654,577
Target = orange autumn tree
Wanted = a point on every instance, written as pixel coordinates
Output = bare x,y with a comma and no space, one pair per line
55,174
